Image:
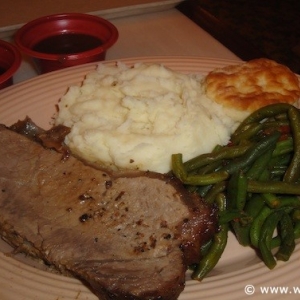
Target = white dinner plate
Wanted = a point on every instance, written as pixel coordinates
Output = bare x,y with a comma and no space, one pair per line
239,272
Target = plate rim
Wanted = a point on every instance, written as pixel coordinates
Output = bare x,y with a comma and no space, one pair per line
220,284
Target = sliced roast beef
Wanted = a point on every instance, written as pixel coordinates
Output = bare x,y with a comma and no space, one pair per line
127,236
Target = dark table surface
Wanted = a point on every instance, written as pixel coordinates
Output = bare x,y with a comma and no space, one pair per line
251,28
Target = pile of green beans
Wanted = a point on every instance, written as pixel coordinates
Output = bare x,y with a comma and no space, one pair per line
255,182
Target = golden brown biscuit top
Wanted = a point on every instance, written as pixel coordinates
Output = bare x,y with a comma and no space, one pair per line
251,85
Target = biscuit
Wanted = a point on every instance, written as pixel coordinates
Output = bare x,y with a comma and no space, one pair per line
253,84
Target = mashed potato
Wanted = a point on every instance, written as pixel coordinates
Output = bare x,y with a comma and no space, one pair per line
137,117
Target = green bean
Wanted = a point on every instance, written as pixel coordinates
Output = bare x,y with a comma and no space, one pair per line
252,153
254,205
270,199
293,172
242,227
206,179
177,167
281,160
214,191
296,215
278,171
208,158
209,261
237,190
212,167
263,113
217,148
283,147
297,230
260,165
248,132
241,233
265,239
255,186
276,124
221,202
256,226
245,220
265,175
280,117
192,189
276,241
275,201
230,215
204,190
205,248
287,238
